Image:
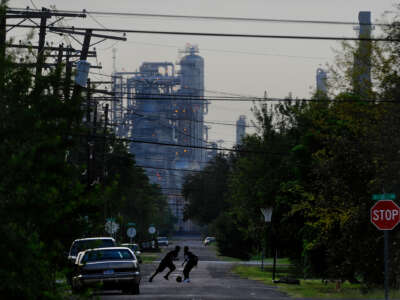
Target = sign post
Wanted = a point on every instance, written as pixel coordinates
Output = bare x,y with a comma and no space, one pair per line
131,231
152,231
385,215
111,226
267,213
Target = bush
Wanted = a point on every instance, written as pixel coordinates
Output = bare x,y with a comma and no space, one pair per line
25,272
230,241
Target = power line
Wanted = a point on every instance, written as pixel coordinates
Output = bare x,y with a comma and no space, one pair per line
215,34
169,126
220,18
158,159
233,51
186,146
169,169
158,97
174,95
196,121
206,122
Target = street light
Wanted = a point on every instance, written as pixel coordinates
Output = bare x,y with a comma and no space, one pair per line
267,213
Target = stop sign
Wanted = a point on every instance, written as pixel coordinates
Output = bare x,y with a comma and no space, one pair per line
385,214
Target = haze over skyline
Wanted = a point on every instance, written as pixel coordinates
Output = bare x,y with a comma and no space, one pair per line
243,66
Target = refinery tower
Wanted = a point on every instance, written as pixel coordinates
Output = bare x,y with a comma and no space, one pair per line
163,103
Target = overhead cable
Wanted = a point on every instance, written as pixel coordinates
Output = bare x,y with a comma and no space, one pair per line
169,169
221,18
188,146
215,34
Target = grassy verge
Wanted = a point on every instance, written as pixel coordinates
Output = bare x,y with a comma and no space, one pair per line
149,257
270,260
312,288
279,261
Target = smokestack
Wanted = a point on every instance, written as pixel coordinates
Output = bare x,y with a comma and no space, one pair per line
362,58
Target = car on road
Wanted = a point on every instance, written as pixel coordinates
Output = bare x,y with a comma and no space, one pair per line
162,241
135,249
89,243
115,268
208,240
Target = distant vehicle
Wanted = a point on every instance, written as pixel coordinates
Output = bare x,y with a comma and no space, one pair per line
89,243
107,268
135,249
162,241
208,240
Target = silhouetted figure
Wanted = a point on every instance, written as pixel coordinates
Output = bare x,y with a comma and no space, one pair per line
191,261
167,262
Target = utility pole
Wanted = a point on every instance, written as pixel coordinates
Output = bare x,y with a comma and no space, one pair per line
68,73
42,40
3,41
60,55
103,167
3,29
94,131
43,15
58,68
83,56
105,140
89,138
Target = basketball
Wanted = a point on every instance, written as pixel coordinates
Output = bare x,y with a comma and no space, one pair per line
179,279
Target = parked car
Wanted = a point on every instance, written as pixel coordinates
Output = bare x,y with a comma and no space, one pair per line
108,268
135,249
162,241
208,240
89,243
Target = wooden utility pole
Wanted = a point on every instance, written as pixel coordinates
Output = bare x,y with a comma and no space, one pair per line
42,40
68,73
94,132
104,141
58,68
89,139
3,41
83,56
3,29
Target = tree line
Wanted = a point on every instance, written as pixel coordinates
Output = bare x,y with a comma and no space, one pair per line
47,198
317,164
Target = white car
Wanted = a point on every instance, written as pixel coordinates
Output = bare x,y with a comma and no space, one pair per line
162,241
208,240
107,268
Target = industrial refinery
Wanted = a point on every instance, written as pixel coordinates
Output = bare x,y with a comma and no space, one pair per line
163,103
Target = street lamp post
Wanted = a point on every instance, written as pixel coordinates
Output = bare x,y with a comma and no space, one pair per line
267,213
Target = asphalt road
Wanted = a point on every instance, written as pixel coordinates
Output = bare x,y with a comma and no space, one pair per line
211,279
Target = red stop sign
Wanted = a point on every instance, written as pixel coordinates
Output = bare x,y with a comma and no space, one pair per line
385,214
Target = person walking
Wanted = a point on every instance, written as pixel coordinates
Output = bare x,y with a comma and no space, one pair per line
167,262
191,261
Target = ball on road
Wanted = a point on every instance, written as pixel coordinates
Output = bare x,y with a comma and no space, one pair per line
179,279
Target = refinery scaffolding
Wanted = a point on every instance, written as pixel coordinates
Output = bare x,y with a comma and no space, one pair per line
164,103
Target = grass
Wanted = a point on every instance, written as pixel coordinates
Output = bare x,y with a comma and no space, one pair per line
270,260
281,261
149,257
311,288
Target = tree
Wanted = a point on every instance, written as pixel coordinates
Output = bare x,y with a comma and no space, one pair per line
47,198
41,195
205,191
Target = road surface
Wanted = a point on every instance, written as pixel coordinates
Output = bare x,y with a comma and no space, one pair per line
212,279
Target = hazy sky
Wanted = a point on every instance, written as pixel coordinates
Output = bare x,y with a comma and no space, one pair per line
245,66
